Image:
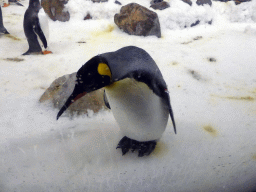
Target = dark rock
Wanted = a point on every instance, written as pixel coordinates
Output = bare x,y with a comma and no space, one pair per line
198,22
161,5
198,2
188,2
61,89
54,9
155,1
203,2
237,2
88,16
99,1
135,19
117,2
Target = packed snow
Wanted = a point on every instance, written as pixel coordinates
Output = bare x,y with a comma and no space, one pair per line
210,71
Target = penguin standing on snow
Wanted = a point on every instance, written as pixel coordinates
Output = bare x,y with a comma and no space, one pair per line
36,28
2,28
137,95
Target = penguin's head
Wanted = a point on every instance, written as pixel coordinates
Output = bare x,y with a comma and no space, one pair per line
92,76
35,5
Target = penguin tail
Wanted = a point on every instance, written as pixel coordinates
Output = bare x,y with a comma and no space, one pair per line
6,32
17,3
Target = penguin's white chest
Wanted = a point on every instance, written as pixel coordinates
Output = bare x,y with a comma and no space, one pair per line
140,114
44,24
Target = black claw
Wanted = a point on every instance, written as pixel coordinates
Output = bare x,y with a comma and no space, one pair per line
144,148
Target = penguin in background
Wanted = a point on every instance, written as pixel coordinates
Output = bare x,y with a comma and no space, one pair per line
36,29
135,91
2,28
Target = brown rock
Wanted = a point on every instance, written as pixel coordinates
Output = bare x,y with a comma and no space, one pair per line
61,89
135,19
54,9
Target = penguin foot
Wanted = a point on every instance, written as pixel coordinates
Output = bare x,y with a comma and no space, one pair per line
32,53
6,5
144,148
46,52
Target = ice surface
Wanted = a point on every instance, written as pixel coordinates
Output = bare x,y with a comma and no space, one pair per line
210,72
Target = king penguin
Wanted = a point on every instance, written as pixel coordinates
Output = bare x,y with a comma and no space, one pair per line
36,28
2,28
135,91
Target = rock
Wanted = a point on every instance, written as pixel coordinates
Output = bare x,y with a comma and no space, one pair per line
155,1
199,2
55,9
99,1
188,2
203,2
118,3
135,19
237,2
88,16
160,5
61,89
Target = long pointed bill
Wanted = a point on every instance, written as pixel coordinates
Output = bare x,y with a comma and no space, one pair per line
70,100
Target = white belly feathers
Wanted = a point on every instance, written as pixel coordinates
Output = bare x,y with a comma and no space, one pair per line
140,114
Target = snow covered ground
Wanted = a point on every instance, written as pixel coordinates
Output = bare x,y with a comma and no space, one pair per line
210,71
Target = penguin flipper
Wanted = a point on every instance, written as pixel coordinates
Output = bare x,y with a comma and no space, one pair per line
40,33
167,98
106,100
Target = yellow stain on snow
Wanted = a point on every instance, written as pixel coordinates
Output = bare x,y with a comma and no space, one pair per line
254,157
242,98
13,37
107,30
210,130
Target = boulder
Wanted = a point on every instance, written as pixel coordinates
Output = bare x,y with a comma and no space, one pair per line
55,9
61,88
135,19
159,5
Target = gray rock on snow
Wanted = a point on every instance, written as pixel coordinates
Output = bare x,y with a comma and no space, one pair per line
61,89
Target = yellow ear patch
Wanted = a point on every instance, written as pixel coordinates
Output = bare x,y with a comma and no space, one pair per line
103,69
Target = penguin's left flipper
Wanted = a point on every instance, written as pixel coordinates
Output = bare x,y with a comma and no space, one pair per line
106,100
170,110
40,33
144,148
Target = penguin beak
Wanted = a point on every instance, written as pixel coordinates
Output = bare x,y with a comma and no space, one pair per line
72,98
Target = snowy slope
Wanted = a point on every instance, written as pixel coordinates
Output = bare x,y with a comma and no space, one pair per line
210,72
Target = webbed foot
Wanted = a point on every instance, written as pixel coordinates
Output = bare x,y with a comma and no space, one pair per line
144,148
